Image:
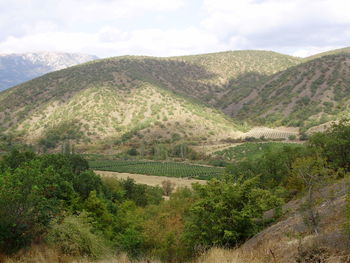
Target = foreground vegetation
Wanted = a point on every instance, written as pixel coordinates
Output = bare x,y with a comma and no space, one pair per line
56,201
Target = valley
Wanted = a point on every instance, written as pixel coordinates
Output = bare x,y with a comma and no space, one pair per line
237,156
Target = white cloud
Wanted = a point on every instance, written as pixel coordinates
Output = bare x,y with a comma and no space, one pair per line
112,42
118,27
274,23
312,50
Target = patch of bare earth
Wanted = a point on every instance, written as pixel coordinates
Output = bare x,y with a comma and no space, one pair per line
152,180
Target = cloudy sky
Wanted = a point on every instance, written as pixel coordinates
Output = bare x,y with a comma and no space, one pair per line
173,27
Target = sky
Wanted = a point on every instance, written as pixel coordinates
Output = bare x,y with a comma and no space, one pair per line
107,28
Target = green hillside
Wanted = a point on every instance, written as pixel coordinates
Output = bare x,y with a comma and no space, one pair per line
146,100
134,99
344,50
234,72
114,100
306,95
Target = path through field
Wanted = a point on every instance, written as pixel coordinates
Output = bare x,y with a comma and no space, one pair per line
152,180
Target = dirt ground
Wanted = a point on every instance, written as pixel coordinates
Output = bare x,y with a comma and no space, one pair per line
152,180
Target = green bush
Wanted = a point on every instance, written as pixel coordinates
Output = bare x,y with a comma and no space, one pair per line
226,213
74,236
29,198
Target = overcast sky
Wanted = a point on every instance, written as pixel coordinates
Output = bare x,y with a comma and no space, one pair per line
173,27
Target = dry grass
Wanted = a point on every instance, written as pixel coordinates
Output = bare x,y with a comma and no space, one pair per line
44,254
220,255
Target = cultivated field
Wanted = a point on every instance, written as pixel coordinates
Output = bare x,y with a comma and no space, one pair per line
269,133
169,169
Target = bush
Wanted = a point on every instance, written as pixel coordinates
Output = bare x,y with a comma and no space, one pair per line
132,152
226,213
29,199
292,137
74,236
168,187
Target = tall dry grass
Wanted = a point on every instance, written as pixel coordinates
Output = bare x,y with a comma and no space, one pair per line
221,255
44,254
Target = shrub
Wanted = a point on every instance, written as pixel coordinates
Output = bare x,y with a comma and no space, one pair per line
132,152
74,236
226,213
292,137
168,187
29,199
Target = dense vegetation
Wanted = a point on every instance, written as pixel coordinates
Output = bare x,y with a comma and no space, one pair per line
251,150
56,199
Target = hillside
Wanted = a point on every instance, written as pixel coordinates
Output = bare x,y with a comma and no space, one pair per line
232,71
146,100
140,99
344,50
111,100
18,68
305,95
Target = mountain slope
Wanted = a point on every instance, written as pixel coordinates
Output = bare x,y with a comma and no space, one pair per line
111,100
233,69
344,50
305,95
141,99
18,68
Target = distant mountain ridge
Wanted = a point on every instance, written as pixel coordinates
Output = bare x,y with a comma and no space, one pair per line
18,68
138,99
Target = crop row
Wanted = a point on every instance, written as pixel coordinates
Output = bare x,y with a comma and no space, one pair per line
171,169
268,133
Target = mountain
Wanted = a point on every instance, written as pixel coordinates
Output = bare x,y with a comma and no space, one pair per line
228,70
305,95
134,99
109,101
345,50
18,68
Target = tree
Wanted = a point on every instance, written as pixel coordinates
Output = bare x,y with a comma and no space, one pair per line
334,145
29,198
168,187
225,213
309,173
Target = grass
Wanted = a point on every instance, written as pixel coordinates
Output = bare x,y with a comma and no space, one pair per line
251,150
169,169
45,254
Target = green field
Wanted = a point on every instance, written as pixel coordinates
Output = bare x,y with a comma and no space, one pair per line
170,169
251,150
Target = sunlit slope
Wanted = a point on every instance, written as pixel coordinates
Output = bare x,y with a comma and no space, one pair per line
345,50
122,99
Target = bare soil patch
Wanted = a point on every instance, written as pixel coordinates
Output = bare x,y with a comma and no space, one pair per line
151,179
